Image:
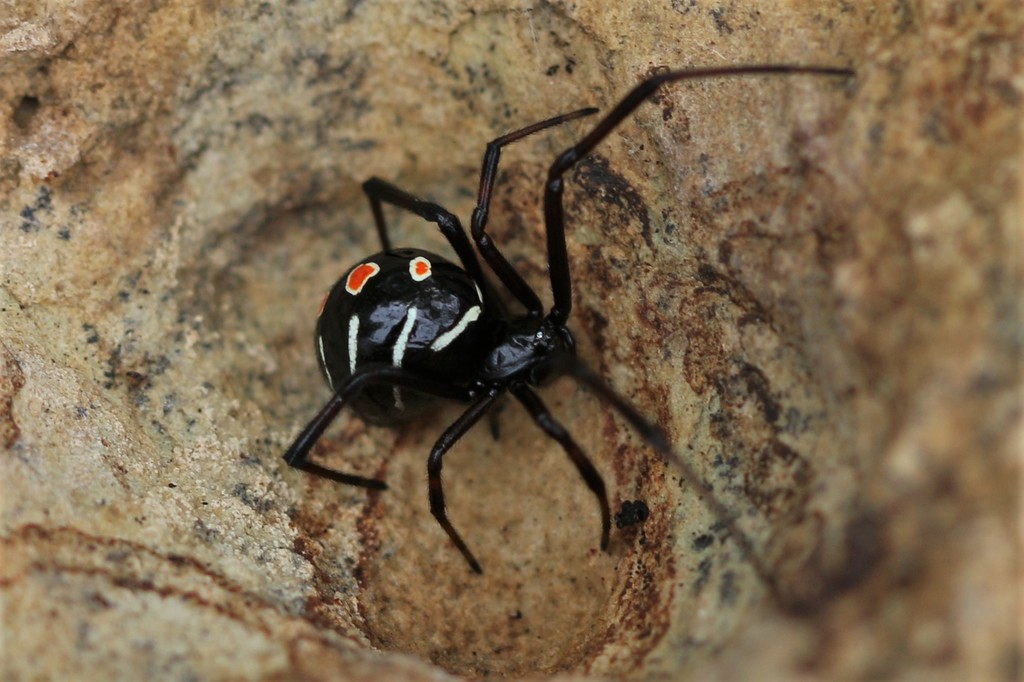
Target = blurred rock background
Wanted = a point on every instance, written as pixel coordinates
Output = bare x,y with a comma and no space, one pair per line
812,284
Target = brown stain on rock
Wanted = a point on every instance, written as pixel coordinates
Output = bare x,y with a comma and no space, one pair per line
12,380
35,549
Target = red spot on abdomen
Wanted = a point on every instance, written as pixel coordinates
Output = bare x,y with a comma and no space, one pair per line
359,276
419,268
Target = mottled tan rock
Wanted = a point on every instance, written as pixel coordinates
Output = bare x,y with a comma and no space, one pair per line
812,284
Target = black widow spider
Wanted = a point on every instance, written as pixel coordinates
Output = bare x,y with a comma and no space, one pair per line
405,326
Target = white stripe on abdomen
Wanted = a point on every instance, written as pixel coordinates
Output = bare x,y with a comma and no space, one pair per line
442,341
398,352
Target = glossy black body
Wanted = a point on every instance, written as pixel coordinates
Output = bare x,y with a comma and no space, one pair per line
393,363
441,300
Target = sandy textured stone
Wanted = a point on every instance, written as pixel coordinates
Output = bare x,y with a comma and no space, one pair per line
813,285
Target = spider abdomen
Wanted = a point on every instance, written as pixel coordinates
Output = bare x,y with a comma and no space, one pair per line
407,308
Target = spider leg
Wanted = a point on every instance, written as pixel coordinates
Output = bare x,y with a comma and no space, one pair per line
436,493
488,174
542,417
297,455
554,219
380,191
656,438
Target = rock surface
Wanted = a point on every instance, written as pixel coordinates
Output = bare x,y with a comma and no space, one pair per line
813,285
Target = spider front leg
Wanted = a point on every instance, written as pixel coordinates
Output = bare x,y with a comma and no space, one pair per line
378,191
554,217
657,439
512,280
